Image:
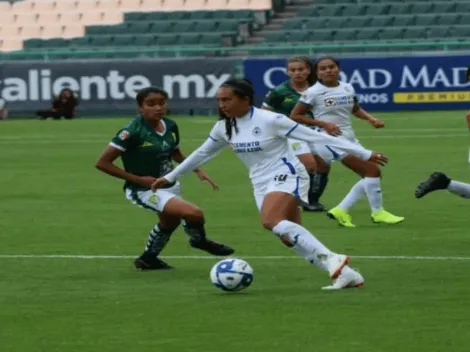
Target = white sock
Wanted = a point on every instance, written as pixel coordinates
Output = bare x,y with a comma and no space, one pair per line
373,192
459,188
306,245
356,193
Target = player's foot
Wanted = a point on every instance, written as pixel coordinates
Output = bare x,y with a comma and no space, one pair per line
144,262
384,217
335,263
349,278
341,216
436,181
211,247
314,207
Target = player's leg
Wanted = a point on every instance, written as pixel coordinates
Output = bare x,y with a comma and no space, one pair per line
303,153
371,187
193,223
280,214
438,181
319,180
157,240
276,214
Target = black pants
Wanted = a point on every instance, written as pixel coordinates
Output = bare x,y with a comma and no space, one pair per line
56,115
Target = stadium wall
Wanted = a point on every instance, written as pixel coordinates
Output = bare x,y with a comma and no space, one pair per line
109,87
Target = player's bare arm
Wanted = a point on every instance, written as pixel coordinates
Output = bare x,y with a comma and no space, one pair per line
106,164
179,157
299,114
364,115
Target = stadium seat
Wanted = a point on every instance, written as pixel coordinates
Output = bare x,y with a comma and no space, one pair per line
380,21
391,33
448,19
403,21
426,20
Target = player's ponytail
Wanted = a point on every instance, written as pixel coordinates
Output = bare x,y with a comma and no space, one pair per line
243,89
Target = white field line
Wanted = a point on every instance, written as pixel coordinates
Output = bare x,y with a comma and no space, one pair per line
261,257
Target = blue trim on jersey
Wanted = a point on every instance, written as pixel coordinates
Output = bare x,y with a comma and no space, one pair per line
215,140
293,128
289,165
296,190
252,110
335,154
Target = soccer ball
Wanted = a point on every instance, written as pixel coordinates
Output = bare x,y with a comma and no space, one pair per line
232,275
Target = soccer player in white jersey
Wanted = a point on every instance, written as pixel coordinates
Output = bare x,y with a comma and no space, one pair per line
282,99
280,181
332,102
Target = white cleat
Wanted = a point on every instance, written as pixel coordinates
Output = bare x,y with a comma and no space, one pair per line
349,278
335,263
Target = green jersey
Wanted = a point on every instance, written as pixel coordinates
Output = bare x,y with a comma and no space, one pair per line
282,98
146,152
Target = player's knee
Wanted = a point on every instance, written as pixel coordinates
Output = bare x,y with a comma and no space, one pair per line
194,214
371,170
268,223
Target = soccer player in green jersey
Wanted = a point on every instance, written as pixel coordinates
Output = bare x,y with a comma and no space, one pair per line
148,145
282,99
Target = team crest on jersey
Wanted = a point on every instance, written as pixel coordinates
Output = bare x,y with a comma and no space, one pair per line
146,144
330,102
153,199
256,131
123,135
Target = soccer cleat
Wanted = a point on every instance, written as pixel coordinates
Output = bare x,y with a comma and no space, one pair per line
384,217
436,181
147,263
211,247
335,264
341,216
349,278
313,207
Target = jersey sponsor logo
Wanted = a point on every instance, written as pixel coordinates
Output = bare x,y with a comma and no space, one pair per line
246,147
341,100
124,135
256,131
288,100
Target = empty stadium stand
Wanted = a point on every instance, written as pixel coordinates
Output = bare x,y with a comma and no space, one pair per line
62,29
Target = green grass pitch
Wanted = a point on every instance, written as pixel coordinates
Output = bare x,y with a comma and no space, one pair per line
53,202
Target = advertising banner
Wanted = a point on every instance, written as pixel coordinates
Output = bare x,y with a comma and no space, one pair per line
386,84
109,86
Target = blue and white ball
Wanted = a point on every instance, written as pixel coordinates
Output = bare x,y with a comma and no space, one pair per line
232,275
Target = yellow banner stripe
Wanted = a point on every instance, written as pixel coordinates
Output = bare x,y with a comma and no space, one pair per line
431,97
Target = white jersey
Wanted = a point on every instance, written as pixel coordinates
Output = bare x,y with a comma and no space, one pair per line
331,104
261,144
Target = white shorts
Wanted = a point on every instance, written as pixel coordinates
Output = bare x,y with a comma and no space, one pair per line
330,155
299,147
154,201
296,184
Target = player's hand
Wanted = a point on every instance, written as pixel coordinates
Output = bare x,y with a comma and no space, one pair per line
331,129
158,183
205,177
146,181
377,123
378,158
